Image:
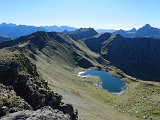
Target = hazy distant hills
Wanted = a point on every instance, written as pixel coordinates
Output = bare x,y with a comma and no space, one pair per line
81,33
105,30
15,31
128,34
145,31
58,28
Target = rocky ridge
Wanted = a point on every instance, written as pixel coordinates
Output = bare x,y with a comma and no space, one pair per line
44,113
20,76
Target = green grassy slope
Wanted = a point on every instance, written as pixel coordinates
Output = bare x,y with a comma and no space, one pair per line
58,59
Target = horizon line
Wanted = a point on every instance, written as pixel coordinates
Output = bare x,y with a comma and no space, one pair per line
136,27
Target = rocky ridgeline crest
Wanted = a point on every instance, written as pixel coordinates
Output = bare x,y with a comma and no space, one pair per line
44,113
22,77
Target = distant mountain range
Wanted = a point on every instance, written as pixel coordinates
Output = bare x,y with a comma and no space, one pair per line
14,31
146,31
105,30
81,33
58,28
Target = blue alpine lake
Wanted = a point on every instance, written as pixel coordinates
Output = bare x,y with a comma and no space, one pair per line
108,82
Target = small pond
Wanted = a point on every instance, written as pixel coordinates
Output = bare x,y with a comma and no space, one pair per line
108,81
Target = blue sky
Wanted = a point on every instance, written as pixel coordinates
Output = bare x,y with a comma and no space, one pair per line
110,14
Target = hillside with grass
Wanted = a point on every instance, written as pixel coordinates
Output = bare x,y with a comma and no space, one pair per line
49,61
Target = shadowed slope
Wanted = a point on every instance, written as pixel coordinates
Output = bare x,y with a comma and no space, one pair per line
57,45
138,57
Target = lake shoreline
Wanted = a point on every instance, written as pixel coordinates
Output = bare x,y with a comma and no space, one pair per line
99,84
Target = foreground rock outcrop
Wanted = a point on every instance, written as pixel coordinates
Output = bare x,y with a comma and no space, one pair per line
19,75
44,113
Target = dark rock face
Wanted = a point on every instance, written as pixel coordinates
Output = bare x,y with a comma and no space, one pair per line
10,102
44,113
23,77
8,72
35,96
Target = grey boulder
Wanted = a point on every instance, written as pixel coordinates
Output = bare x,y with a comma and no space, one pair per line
44,113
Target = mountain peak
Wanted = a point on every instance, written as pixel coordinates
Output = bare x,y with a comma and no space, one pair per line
86,29
147,31
8,24
81,33
133,30
39,39
121,30
147,25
